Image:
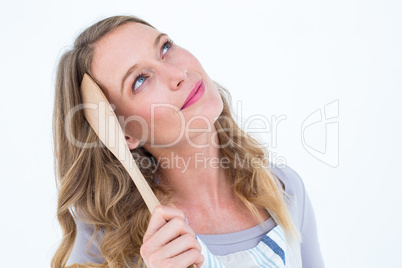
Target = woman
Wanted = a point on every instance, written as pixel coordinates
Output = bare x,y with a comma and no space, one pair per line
216,210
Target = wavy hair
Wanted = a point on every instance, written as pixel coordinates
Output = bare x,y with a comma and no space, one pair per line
94,186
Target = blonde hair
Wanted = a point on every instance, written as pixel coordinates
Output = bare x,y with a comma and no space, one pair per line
94,186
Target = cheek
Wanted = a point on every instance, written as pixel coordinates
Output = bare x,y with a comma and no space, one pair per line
135,124
159,125
167,124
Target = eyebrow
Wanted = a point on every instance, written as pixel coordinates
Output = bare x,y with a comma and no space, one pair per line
135,66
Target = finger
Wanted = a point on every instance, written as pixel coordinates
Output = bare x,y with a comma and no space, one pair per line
191,257
180,245
172,205
185,259
160,216
169,232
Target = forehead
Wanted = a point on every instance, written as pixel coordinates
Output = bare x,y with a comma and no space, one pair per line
119,49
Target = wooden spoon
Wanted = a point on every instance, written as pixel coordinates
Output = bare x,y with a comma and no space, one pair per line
103,120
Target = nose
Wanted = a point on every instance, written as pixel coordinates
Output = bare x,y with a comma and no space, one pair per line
173,75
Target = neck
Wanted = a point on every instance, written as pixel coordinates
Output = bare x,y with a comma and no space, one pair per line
195,173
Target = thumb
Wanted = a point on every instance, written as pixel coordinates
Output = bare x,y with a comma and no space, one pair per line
173,206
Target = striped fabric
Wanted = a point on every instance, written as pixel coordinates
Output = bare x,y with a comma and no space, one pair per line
270,252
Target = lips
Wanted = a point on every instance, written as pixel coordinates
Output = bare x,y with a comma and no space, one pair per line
195,94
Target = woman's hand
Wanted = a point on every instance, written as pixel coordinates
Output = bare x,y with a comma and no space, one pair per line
169,241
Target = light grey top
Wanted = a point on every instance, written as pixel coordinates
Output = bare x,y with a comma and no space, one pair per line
300,209
223,244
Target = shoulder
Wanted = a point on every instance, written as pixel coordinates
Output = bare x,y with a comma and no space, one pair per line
294,188
302,213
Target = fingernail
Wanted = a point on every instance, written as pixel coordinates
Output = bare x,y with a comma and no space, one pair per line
171,205
187,220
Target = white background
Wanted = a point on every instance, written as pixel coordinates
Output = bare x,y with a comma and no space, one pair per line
276,57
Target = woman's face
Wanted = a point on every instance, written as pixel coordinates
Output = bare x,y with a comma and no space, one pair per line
148,80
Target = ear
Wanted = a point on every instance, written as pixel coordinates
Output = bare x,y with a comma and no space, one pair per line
132,142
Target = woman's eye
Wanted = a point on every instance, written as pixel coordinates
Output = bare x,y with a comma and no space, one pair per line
166,46
139,80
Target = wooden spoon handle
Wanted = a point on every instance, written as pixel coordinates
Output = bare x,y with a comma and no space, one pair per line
142,185
103,120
